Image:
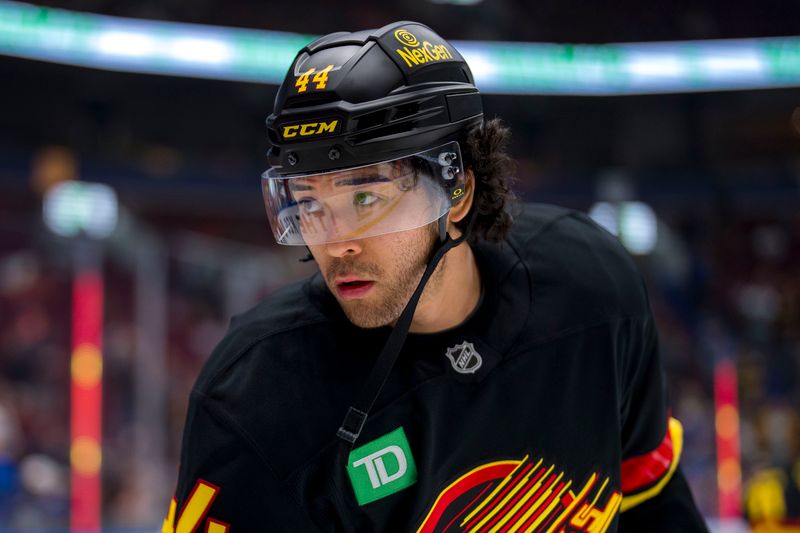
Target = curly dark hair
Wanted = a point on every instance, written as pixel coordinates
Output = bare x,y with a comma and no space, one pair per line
484,149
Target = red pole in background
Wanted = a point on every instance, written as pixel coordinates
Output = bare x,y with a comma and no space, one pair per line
87,212
729,471
86,393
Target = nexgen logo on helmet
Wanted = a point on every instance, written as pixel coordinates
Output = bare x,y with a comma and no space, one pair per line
424,54
414,54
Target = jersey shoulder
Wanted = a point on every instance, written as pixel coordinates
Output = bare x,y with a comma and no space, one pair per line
580,273
288,311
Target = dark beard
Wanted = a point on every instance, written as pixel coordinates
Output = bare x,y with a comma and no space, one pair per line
396,291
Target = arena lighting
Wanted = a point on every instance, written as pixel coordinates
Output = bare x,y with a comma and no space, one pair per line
638,228
605,214
87,211
634,223
75,207
179,49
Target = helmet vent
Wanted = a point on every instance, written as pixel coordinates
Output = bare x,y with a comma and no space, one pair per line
404,111
385,131
370,120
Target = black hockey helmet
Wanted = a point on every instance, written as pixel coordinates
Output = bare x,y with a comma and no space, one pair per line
352,100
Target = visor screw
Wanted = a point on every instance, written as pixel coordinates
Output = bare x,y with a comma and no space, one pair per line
334,154
449,173
447,158
292,158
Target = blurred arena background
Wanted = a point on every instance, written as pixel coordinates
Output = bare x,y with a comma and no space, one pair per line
701,182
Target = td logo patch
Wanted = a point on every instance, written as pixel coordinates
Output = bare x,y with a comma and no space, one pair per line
381,467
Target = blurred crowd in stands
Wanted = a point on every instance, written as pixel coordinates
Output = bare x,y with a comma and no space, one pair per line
733,292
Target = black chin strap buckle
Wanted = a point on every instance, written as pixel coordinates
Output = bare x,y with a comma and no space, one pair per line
352,425
308,257
442,229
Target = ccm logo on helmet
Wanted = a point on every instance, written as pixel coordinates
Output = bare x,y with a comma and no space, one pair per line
414,54
309,129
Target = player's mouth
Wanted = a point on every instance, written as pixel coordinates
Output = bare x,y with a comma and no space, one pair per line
352,287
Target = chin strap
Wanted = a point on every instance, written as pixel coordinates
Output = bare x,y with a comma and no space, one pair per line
357,414
308,257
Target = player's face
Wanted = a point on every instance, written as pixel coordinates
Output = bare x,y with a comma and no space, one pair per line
374,278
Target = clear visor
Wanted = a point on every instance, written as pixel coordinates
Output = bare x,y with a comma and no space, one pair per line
362,202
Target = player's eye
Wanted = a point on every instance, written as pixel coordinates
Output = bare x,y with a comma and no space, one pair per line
310,206
365,198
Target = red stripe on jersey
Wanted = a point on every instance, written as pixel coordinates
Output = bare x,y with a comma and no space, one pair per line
470,480
643,470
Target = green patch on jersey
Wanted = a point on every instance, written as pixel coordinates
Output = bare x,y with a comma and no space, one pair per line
382,467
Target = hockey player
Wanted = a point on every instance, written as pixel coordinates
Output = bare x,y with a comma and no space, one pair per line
446,370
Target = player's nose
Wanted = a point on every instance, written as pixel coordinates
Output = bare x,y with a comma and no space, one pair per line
344,248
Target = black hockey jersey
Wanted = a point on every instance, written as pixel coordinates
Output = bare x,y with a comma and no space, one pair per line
544,411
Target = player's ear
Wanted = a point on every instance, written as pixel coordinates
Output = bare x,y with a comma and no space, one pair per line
460,210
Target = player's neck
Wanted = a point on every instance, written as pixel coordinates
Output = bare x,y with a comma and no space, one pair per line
447,303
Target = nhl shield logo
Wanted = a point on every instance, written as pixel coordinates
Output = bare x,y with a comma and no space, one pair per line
464,358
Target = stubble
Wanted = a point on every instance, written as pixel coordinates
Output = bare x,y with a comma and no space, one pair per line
395,284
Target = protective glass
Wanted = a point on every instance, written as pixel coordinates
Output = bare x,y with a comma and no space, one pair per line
362,202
